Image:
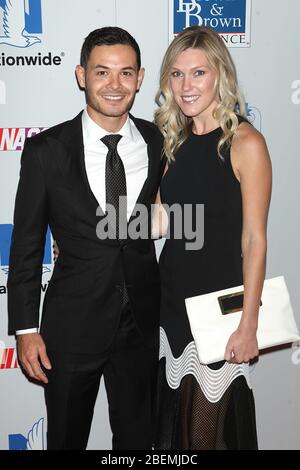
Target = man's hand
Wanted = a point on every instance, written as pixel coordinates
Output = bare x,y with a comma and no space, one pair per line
31,353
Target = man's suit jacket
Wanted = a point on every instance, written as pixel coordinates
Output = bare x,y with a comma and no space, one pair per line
83,301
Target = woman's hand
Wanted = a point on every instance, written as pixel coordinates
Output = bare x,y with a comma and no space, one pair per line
242,346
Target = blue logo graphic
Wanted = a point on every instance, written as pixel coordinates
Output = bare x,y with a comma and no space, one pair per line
254,116
19,20
35,440
230,18
5,242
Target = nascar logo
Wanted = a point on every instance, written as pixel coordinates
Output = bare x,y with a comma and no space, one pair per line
12,139
8,358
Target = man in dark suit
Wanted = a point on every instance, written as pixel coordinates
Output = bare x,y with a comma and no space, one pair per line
101,309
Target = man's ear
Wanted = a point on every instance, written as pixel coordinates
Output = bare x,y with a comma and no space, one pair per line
80,74
141,75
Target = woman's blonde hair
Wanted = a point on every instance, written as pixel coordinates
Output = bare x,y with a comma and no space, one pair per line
171,121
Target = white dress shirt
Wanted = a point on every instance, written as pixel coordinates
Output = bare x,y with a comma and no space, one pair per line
133,151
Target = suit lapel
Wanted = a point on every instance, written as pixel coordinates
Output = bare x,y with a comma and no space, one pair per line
147,135
73,139
89,212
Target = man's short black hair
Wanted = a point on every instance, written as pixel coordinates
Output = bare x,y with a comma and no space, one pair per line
108,36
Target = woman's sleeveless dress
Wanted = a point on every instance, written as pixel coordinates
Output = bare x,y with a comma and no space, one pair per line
200,406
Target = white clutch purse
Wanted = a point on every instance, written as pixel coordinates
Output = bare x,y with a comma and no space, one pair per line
215,316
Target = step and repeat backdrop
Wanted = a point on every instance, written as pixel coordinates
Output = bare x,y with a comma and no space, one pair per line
40,42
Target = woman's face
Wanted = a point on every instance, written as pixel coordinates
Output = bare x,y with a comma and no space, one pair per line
193,82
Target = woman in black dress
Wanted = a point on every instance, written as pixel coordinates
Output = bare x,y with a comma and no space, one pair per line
215,158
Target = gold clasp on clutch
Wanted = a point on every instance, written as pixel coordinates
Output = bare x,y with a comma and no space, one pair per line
232,303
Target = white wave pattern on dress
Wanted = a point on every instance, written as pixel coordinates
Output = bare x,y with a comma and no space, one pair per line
213,383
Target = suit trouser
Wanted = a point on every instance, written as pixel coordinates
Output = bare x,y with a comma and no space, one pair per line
129,368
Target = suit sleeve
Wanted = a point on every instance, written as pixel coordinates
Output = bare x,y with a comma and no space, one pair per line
28,241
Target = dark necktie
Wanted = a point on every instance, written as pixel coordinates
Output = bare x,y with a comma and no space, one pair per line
115,183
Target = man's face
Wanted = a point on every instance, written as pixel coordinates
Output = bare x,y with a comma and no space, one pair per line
111,80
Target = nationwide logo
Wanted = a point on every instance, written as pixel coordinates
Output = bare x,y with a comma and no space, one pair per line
13,138
8,357
2,92
20,20
230,18
36,438
38,60
5,242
